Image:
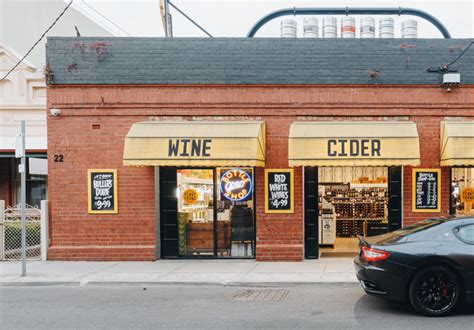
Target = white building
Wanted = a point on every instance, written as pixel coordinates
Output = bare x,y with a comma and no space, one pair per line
23,92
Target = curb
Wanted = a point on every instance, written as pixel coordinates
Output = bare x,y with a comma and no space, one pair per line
138,283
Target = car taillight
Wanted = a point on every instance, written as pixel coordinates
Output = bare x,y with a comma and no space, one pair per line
369,254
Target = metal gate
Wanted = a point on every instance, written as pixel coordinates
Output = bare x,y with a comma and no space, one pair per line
10,223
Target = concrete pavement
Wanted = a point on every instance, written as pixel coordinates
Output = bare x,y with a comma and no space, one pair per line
199,272
316,306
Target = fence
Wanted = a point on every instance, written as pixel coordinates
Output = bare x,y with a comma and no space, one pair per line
36,232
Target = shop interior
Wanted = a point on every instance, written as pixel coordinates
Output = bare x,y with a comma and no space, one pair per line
462,188
352,201
216,212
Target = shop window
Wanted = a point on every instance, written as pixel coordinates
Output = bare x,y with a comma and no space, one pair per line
35,186
235,212
352,201
215,212
462,190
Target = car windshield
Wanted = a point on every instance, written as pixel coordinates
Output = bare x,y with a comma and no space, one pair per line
397,235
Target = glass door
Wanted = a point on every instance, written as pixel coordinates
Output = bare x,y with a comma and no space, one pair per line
235,212
195,194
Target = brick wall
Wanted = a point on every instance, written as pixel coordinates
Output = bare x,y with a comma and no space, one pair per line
130,235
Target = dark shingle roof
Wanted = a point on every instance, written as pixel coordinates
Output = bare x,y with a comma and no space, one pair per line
254,60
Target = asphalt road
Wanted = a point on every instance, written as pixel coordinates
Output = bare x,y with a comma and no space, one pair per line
324,306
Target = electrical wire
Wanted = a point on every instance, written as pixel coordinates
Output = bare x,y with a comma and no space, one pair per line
461,55
37,42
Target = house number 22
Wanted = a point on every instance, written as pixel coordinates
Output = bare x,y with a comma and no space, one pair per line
58,158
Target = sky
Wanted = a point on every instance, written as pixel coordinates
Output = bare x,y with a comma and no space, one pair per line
234,18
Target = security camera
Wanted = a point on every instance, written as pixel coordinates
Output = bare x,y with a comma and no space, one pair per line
55,112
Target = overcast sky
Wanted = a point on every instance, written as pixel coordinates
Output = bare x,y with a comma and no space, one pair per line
225,18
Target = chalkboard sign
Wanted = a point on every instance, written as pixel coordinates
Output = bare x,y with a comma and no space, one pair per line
279,191
426,190
102,191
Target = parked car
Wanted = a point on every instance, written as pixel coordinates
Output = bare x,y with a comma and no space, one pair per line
429,264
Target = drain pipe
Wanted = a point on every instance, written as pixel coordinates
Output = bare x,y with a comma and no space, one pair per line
349,11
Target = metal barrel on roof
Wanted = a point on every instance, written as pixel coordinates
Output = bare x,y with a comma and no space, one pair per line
310,27
386,27
409,28
288,28
329,27
348,27
367,27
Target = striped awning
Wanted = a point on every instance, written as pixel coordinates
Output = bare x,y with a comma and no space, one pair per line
457,143
375,143
195,143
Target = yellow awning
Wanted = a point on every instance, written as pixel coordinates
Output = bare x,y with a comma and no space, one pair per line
457,143
380,143
195,143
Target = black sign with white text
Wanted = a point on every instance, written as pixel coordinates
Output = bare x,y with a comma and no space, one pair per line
425,190
279,191
102,191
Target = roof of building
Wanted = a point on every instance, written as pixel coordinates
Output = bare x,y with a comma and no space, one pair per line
252,61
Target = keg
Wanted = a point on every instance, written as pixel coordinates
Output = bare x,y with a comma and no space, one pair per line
367,27
310,27
386,27
348,29
288,28
409,28
329,27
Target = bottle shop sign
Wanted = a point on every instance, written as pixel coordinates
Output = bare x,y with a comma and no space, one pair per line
426,190
236,185
102,191
279,191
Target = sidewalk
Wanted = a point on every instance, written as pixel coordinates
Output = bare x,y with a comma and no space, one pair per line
197,272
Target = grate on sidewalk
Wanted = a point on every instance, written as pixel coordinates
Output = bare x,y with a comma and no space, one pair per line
261,295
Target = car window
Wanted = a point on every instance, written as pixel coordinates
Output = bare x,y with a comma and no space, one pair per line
400,234
465,233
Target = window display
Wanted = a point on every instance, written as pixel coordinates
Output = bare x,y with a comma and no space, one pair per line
351,199
462,185
215,212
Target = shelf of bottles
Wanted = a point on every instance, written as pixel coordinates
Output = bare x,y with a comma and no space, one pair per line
354,207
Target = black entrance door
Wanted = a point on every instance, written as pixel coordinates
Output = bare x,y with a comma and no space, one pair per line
168,213
311,243
394,198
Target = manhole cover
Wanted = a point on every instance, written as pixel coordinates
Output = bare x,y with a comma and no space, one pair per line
261,295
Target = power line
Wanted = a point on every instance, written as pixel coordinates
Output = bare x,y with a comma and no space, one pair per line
462,54
37,42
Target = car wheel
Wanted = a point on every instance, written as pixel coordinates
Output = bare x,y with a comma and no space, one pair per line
434,291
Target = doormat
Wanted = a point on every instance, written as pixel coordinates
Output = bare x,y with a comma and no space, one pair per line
338,254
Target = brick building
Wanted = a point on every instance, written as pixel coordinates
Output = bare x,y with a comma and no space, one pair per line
359,122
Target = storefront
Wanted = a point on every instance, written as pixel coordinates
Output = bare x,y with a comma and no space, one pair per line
354,169
457,152
210,154
205,183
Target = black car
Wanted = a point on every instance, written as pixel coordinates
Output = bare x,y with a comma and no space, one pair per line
430,264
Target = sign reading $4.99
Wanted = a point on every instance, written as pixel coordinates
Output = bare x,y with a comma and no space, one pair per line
279,191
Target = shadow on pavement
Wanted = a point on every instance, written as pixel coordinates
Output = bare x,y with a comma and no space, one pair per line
367,305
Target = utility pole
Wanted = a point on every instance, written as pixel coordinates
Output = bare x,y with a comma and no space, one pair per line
20,153
166,18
